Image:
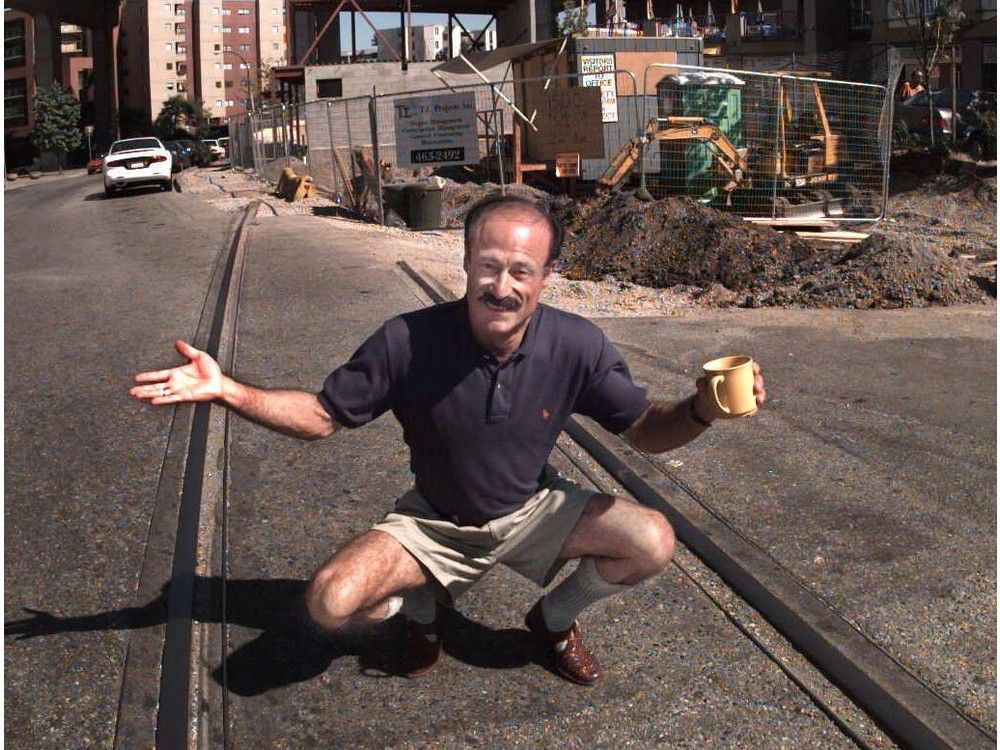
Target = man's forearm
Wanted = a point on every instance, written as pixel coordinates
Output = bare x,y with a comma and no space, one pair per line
295,413
665,426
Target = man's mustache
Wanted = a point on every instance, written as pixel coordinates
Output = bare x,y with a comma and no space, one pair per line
508,304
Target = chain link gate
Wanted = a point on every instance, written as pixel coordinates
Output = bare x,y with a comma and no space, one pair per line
766,145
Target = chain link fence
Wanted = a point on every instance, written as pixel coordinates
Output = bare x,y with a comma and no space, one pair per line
775,145
768,145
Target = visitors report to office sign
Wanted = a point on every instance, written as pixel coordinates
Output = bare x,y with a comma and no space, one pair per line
432,131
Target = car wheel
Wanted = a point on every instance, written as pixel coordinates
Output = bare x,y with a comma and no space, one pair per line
109,192
167,186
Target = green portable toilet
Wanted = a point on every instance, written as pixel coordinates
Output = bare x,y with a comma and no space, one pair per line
686,167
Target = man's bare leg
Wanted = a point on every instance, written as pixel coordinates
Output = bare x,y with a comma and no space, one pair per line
629,542
353,587
620,543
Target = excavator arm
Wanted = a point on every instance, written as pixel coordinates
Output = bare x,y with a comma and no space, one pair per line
731,159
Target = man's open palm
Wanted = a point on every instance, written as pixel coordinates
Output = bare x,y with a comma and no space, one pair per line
199,380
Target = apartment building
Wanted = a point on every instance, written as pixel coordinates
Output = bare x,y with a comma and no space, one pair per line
429,42
211,50
19,77
971,57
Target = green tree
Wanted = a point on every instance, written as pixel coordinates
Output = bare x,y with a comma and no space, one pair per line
931,26
57,121
182,118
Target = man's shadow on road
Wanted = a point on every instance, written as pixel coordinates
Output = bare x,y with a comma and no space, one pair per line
290,648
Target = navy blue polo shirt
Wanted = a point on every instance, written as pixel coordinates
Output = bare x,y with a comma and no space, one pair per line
480,432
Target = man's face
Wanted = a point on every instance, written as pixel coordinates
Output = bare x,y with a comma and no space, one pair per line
506,264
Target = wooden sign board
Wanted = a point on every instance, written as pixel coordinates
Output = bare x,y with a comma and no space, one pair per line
568,165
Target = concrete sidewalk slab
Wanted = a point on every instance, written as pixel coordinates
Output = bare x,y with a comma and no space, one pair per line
871,473
678,673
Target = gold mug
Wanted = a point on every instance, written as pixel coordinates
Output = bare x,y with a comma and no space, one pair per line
730,381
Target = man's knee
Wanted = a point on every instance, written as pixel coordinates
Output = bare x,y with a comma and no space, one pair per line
657,542
331,600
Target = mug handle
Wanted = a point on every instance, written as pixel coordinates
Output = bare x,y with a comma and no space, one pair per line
714,384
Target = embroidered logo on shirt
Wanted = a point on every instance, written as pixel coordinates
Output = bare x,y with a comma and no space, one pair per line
545,415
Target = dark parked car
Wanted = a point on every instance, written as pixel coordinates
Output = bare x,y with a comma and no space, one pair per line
182,155
914,111
201,155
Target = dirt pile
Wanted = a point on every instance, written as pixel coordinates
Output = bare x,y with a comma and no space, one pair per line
459,198
674,242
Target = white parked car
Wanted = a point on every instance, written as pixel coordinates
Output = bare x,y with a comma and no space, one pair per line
218,152
137,161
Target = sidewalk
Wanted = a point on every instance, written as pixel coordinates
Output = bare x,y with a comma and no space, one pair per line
678,674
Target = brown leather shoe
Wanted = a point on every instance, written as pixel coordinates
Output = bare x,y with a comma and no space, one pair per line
572,659
423,645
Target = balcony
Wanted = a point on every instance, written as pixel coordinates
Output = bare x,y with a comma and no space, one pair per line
771,26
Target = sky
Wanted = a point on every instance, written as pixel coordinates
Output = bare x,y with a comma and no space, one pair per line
473,22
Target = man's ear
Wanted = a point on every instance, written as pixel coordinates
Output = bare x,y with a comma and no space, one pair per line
546,275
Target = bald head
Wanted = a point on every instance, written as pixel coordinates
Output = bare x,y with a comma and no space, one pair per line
530,215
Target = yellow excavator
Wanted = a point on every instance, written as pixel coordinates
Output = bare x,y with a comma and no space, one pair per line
805,160
731,161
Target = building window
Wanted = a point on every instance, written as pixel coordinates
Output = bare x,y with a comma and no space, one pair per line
182,69
226,12
244,66
227,30
13,43
217,47
244,48
15,102
229,103
274,29
329,88
180,10
182,87
229,84
170,66
166,7
219,103
179,28
227,66
215,11
275,45
243,12
170,86
181,48
218,84
215,29
244,29
218,66
169,46
227,48
168,26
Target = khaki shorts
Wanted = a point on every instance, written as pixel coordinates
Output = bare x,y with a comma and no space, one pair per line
527,541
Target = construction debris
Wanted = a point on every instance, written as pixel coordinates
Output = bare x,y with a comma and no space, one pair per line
681,242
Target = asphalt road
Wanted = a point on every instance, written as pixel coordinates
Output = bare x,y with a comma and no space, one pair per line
95,290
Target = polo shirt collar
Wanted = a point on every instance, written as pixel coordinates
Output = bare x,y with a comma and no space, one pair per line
527,345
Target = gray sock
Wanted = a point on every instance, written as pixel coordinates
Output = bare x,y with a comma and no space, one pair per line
579,590
419,605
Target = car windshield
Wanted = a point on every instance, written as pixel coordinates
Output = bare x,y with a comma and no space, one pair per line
134,144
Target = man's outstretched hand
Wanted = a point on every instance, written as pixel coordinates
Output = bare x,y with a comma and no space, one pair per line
199,380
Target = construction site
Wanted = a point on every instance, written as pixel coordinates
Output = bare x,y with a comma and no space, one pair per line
744,187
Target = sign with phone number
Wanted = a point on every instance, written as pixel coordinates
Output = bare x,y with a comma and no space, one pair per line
438,156
436,130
